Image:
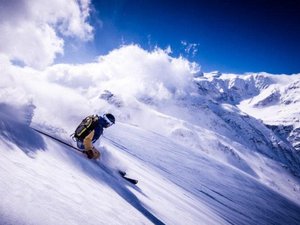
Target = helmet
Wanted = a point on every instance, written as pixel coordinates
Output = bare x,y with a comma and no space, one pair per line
109,118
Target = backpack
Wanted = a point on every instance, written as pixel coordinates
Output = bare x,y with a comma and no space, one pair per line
85,127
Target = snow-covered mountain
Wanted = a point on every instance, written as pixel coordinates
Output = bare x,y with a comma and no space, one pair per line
272,98
207,148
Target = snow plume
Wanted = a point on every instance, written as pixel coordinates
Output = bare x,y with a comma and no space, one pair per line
129,76
32,31
131,71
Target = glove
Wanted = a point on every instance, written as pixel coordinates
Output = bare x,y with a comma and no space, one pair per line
92,153
89,153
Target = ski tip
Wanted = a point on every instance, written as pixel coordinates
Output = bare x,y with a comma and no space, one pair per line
135,181
122,173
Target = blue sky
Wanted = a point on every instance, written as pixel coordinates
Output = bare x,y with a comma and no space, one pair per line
229,35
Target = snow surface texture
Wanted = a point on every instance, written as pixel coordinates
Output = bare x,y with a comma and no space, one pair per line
206,148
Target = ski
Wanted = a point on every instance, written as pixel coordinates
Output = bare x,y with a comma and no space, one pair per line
131,180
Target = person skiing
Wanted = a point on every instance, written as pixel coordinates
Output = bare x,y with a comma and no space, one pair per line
89,131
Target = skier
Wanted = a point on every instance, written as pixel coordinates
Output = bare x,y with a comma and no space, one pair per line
89,131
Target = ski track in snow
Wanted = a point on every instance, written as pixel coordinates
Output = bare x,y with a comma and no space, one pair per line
48,183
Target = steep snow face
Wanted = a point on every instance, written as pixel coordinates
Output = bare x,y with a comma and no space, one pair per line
193,141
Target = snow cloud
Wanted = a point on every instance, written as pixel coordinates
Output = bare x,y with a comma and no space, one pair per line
32,31
131,74
131,71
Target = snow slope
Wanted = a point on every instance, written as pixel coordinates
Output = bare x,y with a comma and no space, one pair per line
199,158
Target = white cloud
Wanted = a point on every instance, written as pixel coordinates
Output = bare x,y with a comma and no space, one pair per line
32,31
34,47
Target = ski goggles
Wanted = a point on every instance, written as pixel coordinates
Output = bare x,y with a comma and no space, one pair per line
108,122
